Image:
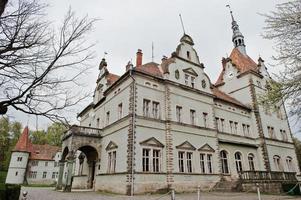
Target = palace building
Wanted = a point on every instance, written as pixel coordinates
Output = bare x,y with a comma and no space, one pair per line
167,125
32,163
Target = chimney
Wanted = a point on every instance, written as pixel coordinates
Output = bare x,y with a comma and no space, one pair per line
139,58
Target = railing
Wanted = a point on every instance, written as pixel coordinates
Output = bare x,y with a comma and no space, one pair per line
82,130
264,175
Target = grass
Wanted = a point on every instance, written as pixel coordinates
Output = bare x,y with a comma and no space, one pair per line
2,177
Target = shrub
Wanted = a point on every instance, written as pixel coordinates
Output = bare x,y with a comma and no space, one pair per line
10,192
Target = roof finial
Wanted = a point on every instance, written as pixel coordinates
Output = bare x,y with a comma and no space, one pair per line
231,13
152,51
182,23
104,54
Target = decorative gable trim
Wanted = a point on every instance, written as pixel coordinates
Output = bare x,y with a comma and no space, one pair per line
153,142
206,147
190,71
186,146
111,146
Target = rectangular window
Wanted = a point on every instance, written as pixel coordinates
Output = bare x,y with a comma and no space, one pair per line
192,117
19,159
205,116
192,82
156,109
178,113
108,118
34,163
111,161
146,160
235,127
46,164
156,160
181,161
120,111
217,123
44,175
222,125
53,175
248,130
202,162
146,109
189,161
97,123
271,132
209,163
244,129
231,126
186,79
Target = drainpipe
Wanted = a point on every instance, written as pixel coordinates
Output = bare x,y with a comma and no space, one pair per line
133,128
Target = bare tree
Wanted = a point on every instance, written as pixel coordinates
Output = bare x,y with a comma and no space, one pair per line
284,27
40,65
2,6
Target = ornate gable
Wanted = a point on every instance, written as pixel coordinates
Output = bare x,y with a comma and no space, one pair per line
153,142
206,147
186,146
111,145
190,71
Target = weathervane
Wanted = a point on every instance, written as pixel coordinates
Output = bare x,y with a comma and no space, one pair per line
104,54
182,23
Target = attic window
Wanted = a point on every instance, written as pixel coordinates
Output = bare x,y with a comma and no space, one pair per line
37,152
188,54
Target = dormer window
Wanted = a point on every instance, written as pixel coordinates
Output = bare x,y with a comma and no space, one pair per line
188,55
189,80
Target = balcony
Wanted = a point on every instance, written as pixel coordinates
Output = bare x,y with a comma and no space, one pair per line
255,176
82,131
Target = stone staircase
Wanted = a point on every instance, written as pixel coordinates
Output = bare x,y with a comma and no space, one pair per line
228,185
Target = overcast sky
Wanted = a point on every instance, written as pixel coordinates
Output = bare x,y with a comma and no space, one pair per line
126,25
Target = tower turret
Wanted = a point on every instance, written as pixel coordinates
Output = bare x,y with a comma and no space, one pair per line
237,37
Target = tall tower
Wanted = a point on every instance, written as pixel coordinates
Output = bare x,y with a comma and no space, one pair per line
19,159
237,37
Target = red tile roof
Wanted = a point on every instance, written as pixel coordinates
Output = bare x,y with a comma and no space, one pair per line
112,78
43,152
24,143
242,62
225,97
150,68
37,152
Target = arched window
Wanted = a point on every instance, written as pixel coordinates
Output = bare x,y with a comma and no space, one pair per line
238,161
289,163
224,160
239,41
277,163
251,161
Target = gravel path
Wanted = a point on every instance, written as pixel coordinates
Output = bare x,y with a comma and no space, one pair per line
35,193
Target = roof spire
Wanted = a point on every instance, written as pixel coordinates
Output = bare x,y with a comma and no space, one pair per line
237,38
182,24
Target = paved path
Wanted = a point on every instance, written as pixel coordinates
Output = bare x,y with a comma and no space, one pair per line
50,194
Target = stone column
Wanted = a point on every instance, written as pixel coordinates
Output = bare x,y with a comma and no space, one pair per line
61,173
70,162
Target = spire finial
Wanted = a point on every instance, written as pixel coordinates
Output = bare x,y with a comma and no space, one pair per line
231,13
182,23
152,51
237,38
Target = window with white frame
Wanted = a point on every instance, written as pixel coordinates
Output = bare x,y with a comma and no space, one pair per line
186,79
251,162
206,163
231,126
108,118
111,161
205,119
33,174
46,164
289,164
34,163
192,116
151,160
185,161
192,78
271,132
179,113
283,135
156,110
238,161
277,163
44,175
235,127
120,111
224,161
146,107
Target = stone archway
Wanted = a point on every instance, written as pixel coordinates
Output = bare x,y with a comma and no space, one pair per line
90,155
